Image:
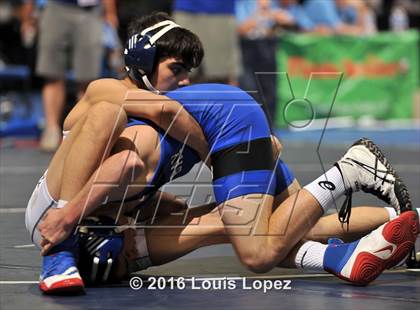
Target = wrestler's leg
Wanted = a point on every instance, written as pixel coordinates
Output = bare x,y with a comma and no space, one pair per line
87,145
363,220
109,182
172,237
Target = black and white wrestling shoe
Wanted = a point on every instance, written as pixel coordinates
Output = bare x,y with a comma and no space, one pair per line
364,167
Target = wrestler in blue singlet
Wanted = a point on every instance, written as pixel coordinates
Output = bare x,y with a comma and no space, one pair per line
239,139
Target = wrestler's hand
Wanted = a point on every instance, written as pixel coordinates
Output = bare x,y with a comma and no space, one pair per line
54,229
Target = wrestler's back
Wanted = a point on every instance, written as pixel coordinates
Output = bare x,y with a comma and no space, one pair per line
227,114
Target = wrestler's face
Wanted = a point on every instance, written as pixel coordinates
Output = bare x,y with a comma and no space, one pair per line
171,73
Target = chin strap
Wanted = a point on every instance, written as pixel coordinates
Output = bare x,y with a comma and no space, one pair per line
135,77
149,85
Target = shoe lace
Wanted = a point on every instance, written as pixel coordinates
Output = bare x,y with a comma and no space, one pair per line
377,188
345,210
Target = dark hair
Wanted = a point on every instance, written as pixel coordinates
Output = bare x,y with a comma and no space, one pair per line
179,43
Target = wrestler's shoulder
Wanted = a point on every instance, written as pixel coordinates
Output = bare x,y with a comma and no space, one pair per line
109,90
106,85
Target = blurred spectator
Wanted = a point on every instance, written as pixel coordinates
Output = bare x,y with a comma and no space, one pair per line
383,9
358,14
369,17
300,19
257,19
398,20
347,11
113,61
214,22
256,22
11,50
333,15
29,16
70,31
412,9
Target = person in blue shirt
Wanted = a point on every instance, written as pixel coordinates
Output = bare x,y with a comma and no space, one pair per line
256,24
300,18
324,13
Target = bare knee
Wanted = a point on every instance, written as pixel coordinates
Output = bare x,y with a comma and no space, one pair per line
256,264
265,258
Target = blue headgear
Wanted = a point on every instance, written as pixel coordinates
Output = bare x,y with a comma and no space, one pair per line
100,243
140,51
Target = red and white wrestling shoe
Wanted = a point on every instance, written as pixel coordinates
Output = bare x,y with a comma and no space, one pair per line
60,275
362,261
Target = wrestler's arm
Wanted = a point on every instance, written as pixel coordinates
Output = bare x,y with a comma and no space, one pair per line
168,114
